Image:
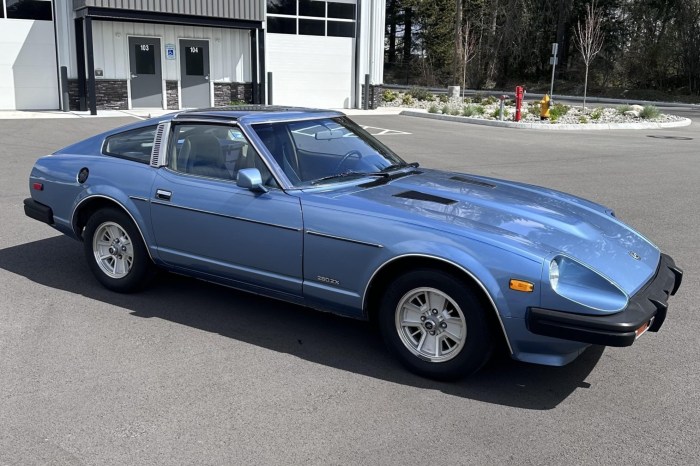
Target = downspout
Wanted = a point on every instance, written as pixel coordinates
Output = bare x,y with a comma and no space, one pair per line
358,35
58,65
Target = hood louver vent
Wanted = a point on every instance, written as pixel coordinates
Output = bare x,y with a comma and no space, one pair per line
418,196
159,149
462,179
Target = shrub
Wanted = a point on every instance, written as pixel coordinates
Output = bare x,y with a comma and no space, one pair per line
446,110
597,113
649,112
454,111
623,108
479,109
497,113
557,111
407,99
583,119
433,108
419,93
489,100
534,108
388,95
469,110
443,98
468,100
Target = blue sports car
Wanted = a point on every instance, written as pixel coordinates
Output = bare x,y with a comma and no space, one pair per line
305,206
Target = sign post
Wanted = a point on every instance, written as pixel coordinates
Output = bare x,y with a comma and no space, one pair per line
553,61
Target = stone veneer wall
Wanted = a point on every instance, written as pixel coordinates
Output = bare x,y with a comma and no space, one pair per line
375,96
171,95
225,93
110,94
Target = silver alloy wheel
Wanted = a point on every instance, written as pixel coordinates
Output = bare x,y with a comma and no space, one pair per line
431,324
113,250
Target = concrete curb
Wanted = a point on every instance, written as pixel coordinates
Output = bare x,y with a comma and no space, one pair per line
548,127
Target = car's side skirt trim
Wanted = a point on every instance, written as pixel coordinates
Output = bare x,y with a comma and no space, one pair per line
138,198
340,238
476,280
79,234
242,219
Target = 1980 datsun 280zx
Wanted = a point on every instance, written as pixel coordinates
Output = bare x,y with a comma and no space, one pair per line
305,206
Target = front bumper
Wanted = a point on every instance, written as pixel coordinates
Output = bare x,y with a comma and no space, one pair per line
647,307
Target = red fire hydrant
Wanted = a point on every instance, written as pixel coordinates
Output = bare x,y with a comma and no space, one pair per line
519,95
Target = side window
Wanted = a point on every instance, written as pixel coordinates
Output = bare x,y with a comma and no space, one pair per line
213,151
133,145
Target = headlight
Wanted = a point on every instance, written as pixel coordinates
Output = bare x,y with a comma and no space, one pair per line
554,274
582,285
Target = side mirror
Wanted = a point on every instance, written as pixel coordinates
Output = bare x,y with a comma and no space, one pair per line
250,178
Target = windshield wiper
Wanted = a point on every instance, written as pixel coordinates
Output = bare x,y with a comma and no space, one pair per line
397,166
348,174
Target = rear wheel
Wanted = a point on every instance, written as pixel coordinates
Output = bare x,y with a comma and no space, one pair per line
435,325
115,252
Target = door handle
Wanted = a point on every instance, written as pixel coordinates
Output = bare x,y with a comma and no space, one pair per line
206,77
163,194
134,75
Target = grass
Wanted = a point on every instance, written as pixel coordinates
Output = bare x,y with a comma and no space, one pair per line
446,110
583,119
597,113
557,111
433,108
650,112
623,108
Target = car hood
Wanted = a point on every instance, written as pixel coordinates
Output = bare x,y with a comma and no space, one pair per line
515,216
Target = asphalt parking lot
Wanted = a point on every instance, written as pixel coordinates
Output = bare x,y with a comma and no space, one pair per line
191,373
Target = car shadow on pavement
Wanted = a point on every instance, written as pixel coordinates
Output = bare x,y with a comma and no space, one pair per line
321,338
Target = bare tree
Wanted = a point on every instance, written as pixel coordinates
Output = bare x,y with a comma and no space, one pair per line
588,39
469,46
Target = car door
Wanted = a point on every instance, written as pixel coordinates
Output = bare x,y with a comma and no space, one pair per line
204,223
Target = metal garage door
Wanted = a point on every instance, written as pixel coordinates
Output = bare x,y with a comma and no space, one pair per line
311,71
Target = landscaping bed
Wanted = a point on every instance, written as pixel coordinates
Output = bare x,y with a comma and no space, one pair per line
488,108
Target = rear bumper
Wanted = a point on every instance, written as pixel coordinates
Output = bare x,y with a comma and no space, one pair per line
648,307
37,211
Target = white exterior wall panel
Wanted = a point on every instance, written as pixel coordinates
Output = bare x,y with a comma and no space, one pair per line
28,76
229,49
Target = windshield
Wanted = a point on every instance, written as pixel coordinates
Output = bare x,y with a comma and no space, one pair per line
325,150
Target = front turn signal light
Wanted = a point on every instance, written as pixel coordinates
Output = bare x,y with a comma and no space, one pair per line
521,285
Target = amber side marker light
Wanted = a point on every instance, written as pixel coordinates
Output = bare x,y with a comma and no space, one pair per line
640,331
521,285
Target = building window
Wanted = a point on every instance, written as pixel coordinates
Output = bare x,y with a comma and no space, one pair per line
312,27
29,9
281,25
312,8
282,7
311,17
145,58
341,10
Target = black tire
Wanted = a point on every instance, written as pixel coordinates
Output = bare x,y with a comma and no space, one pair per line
139,271
474,348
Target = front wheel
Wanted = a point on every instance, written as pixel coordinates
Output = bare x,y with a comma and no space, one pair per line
115,252
435,325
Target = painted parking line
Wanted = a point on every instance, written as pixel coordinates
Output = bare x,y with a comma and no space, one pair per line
374,131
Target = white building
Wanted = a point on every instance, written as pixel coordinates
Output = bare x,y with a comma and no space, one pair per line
174,54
